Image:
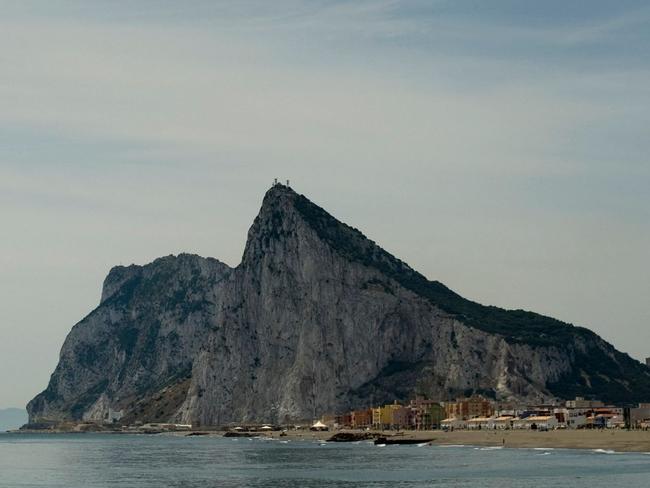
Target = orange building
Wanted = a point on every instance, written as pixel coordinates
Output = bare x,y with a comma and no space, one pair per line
361,418
344,420
467,408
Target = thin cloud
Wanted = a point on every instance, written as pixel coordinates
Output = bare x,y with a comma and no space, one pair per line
503,155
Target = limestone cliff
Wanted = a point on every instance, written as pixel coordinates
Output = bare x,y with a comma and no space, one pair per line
316,318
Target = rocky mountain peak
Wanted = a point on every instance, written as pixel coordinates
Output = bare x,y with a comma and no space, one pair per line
121,277
276,219
317,318
286,214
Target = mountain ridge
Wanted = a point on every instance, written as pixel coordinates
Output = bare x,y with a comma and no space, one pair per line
316,317
488,318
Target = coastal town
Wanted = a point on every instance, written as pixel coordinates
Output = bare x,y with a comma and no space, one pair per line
479,413
473,413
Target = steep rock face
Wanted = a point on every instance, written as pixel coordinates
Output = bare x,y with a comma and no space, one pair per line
318,332
316,318
151,321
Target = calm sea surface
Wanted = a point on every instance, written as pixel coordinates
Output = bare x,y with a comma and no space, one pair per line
91,460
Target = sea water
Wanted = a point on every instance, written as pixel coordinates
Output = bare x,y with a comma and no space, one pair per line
154,461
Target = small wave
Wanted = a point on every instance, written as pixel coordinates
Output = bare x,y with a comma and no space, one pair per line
380,445
543,454
423,444
452,445
543,449
489,448
603,451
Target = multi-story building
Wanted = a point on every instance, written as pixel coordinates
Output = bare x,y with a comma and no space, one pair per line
391,416
387,415
376,417
400,417
640,415
426,414
361,419
572,418
344,420
580,402
467,408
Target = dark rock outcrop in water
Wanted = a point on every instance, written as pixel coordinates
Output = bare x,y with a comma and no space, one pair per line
353,436
316,318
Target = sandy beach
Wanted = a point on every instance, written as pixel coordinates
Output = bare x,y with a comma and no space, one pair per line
614,440
611,440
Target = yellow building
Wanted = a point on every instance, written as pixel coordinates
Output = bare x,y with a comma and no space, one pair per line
392,416
386,416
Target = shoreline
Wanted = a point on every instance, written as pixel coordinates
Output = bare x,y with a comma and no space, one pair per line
616,441
609,440
606,440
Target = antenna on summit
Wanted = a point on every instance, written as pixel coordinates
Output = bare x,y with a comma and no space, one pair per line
276,182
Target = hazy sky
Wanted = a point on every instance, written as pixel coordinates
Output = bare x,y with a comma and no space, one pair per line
500,147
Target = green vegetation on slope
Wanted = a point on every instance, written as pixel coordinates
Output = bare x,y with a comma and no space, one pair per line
599,371
515,325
